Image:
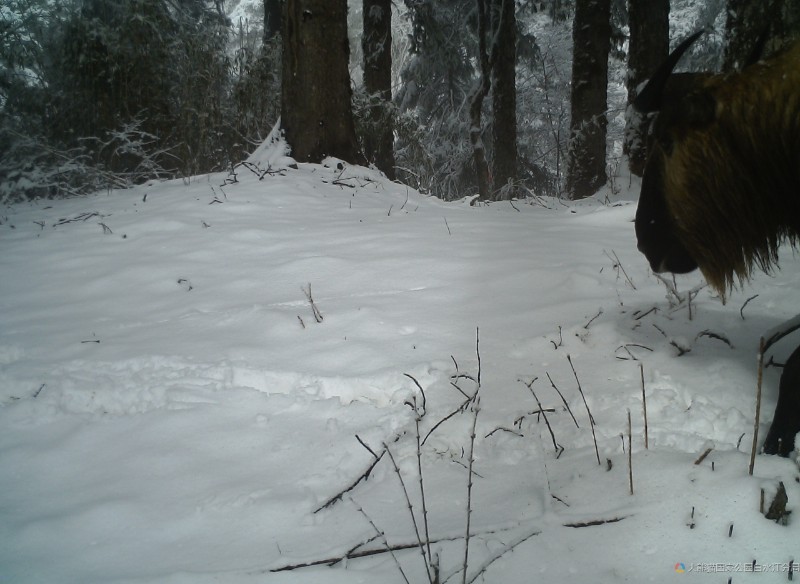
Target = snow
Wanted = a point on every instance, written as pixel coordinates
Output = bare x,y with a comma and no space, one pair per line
171,410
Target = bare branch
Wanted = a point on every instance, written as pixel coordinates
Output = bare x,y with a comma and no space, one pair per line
364,476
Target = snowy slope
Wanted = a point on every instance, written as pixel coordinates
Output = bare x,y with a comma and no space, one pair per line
171,411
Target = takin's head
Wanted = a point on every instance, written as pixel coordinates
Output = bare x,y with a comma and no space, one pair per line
721,187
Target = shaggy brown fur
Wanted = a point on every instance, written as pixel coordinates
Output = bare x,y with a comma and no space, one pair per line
730,157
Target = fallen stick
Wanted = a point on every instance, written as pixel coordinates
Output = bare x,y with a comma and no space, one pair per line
702,457
355,553
594,522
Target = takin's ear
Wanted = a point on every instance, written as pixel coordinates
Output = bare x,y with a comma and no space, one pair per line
651,97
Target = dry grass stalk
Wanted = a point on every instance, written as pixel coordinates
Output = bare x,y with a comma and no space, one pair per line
566,405
630,454
761,349
644,409
591,417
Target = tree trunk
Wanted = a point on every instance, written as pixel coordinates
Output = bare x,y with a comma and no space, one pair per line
504,97
757,28
272,19
377,46
476,105
316,112
649,47
591,33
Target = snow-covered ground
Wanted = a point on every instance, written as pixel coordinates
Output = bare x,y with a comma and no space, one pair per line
172,411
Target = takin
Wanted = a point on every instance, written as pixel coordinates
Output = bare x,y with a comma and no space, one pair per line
721,186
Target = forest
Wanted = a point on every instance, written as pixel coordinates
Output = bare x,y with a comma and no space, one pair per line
292,291
453,97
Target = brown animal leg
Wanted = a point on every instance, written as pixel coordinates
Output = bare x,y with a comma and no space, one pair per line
786,422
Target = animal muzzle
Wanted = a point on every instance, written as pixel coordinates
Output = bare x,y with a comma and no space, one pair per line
673,258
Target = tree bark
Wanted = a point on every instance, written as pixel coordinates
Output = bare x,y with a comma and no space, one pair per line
377,47
476,105
504,96
591,34
316,111
648,48
272,19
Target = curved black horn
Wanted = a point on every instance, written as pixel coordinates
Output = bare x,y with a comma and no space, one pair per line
649,99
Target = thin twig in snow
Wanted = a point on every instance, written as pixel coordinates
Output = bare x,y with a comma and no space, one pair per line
383,538
499,554
410,511
417,418
478,352
541,409
504,429
460,409
464,376
618,266
364,476
746,302
638,315
595,317
471,459
317,314
464,393
562,399
713,335
422,391
585,403
366,446
560,339
681,349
